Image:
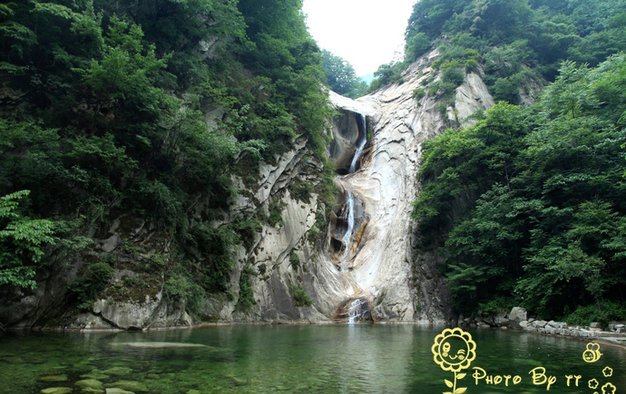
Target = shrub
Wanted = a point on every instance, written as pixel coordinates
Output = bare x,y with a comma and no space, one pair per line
495,306
452,73
603,312
275,217
300,296
246,296
507,89
180,287
301,190
177,287
294,260
86,287
419,93
22,242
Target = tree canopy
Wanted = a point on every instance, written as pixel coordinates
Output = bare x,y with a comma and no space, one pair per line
513,41
341,77
527,206
146,109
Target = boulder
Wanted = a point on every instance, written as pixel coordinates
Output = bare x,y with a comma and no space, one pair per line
558,324
127,315
518,314
502,321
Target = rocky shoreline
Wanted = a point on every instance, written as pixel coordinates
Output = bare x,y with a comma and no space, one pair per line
517,319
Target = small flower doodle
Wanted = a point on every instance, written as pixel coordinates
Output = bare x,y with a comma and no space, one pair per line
607,372
609,388
454,350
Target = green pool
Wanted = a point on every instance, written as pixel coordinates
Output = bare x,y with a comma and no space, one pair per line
299,359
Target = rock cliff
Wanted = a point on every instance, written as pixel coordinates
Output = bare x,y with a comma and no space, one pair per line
383,267
300,267
402,285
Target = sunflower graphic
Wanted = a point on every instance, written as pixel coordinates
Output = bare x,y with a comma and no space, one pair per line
454,350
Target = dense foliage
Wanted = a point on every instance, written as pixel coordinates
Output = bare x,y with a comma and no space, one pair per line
514,41
528,206
22,241
146,109
341,77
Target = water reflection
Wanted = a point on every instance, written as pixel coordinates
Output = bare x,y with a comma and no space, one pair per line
264,359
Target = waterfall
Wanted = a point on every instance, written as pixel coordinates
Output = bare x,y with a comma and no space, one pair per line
349,212
347,236
360,144
355,312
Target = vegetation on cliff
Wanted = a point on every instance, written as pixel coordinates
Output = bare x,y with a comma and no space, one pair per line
514,41
145,109
527,206
341,77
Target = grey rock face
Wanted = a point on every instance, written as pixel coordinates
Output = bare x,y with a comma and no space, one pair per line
403,284
518,314
385,268
152,313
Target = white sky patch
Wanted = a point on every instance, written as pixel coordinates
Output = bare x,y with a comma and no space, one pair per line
367,33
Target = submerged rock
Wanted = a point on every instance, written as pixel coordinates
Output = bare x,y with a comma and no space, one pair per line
118,371
129,385
56,390
95,374
90,384
235,381
158,345
116,390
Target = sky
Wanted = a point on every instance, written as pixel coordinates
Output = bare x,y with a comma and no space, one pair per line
367,33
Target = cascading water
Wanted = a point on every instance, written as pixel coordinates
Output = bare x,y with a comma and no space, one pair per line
355,311
347,236
360,145
349,211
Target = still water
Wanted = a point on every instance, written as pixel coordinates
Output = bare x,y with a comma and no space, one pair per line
299,359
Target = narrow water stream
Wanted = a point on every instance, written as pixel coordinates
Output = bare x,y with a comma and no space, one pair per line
349,210
356,307
360,144
347,236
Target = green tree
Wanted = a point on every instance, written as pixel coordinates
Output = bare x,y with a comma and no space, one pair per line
22,242
512,34
387,74
528,204
147,110
341,77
